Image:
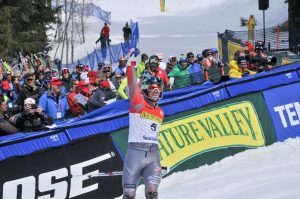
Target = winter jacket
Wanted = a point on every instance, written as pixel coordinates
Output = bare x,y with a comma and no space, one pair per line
181,77
96,100
54,107
6,128
67,83
139,68
33,92
197,75
75,108
120,70
236,72
35,122
126,31
123,89
162,74
105,32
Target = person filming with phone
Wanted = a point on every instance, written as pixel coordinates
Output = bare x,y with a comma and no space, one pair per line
32,118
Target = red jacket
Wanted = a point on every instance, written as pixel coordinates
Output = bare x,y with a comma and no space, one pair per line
162,74
105,31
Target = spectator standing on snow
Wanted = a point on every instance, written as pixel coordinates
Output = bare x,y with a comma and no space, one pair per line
104,34
126,32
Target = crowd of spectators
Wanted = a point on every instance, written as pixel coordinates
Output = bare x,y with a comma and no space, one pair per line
35,91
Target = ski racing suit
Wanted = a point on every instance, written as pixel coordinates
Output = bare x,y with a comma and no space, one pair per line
142,158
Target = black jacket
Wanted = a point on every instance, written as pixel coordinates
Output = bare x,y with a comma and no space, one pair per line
35,122
6,128
33,92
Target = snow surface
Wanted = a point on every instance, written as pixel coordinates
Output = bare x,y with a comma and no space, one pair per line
187,25
271,172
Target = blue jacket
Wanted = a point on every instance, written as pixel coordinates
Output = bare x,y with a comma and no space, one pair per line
197,75
51,107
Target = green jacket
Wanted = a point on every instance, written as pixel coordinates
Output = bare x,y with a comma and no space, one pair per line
181,77
139,68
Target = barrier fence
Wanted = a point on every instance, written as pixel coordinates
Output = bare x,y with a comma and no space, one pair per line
202,124
111,53
277,38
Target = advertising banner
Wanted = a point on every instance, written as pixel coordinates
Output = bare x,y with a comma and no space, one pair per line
81,170
236,124
232,48
284,106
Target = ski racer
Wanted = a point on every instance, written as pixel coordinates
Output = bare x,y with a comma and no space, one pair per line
145,119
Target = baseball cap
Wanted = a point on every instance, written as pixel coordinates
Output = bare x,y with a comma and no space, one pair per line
105,84
5,85
56,81
29,100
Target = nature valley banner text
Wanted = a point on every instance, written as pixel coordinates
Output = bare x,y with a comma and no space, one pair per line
235,124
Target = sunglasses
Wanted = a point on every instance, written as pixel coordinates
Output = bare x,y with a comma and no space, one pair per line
191,56
118,77
29,80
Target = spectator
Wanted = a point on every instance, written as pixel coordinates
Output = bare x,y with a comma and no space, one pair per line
107,72
259,59
104,36
209,60
200,60
32,117
180,76
29,90
121,67
116,80
157,71
162,64
11,98
16,80
126,32
141,66
171,64
67,80
9,79
96,98
106,89
6,128
40,79
123,89
195,70
249,54
74,84
76,109
53,102
238,68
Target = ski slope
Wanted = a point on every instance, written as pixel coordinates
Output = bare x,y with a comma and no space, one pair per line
189,25
271,172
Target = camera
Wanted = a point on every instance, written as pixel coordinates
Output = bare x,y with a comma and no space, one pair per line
271,60
34,106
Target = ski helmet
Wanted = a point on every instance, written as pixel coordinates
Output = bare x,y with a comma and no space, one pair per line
154,62
153,86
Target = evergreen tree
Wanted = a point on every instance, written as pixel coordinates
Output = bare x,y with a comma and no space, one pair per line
24,25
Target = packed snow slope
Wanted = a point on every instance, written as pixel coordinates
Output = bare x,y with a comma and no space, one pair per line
271,172
189,25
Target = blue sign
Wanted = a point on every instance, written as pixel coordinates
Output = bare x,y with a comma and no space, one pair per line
284,106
